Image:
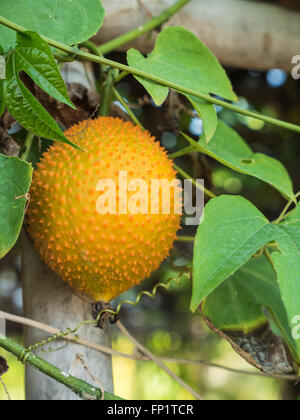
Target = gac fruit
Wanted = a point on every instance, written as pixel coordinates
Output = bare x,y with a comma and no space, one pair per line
100,255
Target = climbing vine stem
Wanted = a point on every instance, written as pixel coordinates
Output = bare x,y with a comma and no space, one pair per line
63,334
182,152
153,23
136,72
287,207
151,295
81,388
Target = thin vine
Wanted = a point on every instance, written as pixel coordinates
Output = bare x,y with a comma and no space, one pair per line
286,209
174,86
26,352
143,29
81,388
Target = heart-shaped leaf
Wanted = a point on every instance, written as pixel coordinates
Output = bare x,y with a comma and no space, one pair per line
238,304
15,180
180,57
287,266
66,21
233,230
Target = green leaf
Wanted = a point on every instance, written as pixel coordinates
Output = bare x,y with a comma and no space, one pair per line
209,117
66,21
287,266
15,180
228,148
233,305
236,312
180,57
34,57
237,304
20,102
233,230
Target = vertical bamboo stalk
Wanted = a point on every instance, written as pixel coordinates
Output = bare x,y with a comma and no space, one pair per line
47,299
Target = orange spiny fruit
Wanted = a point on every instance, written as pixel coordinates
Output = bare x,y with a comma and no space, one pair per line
101,255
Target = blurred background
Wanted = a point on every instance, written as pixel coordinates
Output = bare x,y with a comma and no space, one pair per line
165,325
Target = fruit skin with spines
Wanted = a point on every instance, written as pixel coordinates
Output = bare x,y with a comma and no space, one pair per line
100,256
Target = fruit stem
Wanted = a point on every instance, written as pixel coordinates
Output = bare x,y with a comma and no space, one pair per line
141,30
185,239
84,390
182,152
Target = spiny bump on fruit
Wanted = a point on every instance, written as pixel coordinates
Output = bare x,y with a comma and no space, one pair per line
100,256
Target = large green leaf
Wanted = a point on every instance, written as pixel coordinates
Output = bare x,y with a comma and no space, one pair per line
67,21
233,306
287,266
232,151
237,304
180,57
233,230
236,311
15,180
33,56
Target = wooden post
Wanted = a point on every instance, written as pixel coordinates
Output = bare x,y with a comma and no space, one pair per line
48,300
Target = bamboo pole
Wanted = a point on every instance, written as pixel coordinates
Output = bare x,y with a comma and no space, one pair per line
47,299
